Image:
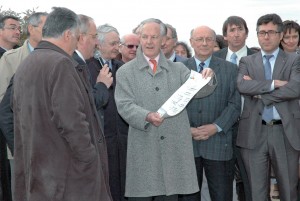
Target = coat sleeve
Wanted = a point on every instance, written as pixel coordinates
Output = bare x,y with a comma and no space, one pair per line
101,95
290,91
126,102
68,110
6,117
251,87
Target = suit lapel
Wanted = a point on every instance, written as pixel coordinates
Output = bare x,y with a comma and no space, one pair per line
279,64
214,64
259,67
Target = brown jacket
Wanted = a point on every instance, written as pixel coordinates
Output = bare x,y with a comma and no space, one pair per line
60,151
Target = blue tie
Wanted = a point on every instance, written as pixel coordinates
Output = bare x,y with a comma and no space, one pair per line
268,111
233,58
201,66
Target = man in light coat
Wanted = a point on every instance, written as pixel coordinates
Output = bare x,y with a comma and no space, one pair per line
160,160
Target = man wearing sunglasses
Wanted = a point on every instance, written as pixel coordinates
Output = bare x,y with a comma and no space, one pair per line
129,45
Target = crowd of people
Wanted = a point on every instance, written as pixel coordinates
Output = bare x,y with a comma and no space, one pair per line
79,120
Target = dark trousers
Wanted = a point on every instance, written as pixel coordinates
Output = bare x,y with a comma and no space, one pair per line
116,151
219,180
156,198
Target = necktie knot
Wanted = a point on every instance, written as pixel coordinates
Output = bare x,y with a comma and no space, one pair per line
233,58
268,57
201,67
153,61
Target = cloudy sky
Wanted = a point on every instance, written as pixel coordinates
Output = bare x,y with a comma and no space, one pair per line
183,15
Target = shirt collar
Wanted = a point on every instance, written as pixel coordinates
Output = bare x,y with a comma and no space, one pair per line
207,61
275,53
172,58
80,55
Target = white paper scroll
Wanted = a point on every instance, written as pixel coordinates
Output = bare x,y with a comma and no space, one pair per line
178,101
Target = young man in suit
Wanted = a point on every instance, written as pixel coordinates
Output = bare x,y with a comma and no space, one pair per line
212,118
269,125
235,32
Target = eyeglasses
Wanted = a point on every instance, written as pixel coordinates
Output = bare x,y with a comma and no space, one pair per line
131,46
145,37
270,33
13,28
201,40
94,36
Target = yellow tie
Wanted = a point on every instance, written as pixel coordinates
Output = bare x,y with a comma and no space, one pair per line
153,61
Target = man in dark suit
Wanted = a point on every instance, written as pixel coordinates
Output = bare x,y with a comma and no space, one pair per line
169,45
10,32
269,126
235,32
115,128
212,118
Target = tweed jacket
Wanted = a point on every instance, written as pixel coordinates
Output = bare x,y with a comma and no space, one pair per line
222,107
285,99
9,63
60,151
160,159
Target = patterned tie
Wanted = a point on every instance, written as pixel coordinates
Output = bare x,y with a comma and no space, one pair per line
233,58
153,61
268,111
201,67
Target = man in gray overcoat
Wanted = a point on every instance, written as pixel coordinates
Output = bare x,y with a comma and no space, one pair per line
160,160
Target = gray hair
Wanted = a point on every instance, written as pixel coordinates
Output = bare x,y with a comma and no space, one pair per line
84,23
34,20
163,27
58,21
173,31
103,30
6,17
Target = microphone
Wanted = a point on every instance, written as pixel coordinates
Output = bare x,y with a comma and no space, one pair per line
97,55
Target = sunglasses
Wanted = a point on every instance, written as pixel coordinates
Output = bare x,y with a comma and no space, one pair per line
131,46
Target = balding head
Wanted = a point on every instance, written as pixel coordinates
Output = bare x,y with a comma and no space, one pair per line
203,40
128,47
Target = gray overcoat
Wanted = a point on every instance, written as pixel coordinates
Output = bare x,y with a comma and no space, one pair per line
160,160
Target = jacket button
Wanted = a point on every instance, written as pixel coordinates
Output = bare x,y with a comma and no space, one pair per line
80,70
156,88
147,126
100,140
162,137
199,111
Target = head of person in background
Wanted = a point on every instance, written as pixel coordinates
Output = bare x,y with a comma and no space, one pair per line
88,37
235,32
203,41
220,43
34,27
10,31
137,30
170,42
269,32
128,46
182,49
109,41
290,41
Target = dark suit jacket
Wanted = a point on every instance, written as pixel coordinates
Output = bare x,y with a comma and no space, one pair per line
6,117
100,91
285,99
222,107
179,58
223,52
113,122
